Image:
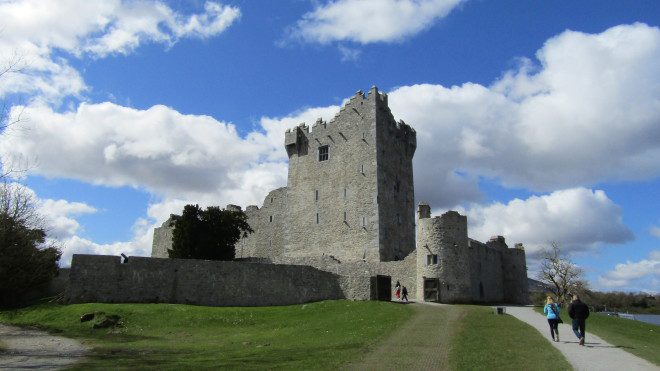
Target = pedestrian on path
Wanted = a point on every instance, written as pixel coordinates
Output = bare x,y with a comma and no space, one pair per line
397,290
551,311
579,312
405,294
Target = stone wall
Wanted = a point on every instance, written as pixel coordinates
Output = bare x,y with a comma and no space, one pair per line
445,236
403,271
162,239
486,273
268,223
98,278
396,144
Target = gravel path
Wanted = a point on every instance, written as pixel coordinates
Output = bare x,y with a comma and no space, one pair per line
596,354
33,349
421,343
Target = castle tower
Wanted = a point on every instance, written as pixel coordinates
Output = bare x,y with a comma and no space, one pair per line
350,184
443,263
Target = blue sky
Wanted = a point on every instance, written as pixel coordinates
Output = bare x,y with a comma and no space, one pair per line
538,120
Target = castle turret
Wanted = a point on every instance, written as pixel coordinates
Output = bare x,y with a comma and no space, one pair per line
443,265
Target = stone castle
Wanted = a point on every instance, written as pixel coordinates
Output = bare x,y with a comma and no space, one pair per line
348,209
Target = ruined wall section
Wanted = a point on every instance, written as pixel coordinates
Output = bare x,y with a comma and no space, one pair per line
486,273
445,237
162,240
396,144
332,204
268,223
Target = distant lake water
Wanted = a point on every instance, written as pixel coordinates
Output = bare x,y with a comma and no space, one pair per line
648,318
653,319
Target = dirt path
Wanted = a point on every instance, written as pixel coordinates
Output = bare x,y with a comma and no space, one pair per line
422,343
597,354
33,349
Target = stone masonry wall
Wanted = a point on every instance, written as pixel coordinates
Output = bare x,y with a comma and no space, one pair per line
98,278
486,273
162,239
396,144
446,237
332,205
403,271
268,224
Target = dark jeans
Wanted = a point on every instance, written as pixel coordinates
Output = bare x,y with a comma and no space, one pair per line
553,327
579,324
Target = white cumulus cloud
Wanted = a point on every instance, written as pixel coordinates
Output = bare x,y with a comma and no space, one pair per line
588,112
370,21
576,218
40,35
643,275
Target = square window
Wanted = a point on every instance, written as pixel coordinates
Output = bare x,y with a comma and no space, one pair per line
323,153
431,259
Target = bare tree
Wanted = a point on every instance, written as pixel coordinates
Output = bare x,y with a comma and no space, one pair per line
14,64
561,274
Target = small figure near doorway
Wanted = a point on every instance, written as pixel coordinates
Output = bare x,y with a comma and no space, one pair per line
397,290
405,294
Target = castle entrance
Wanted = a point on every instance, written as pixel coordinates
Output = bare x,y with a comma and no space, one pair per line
381,288
432,289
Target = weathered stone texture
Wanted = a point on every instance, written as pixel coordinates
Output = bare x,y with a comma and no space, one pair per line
268,223
162,239
95,278
446,237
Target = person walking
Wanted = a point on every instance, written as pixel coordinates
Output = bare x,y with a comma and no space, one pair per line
551,311
578,311
397,290
404,293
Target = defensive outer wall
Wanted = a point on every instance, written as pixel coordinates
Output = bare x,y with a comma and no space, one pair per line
347,215
103,278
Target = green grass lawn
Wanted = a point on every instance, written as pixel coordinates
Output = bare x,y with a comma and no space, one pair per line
639,338
320,335
487,341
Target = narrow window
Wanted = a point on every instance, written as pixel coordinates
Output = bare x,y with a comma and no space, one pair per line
344,216
323,153
362,169
271,219
435,259
271,200
317,218
344,193
398,219
316,195
364,221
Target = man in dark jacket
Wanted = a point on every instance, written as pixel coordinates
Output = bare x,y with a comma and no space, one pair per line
579,312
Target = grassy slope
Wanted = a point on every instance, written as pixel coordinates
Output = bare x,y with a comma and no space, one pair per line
487,341
312,336
639,338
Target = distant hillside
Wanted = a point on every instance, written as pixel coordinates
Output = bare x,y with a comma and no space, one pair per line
535,286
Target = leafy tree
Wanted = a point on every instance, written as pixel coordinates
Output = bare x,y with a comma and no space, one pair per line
209,234
561,274
26,261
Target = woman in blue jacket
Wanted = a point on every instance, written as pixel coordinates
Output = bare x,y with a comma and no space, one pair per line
551,311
